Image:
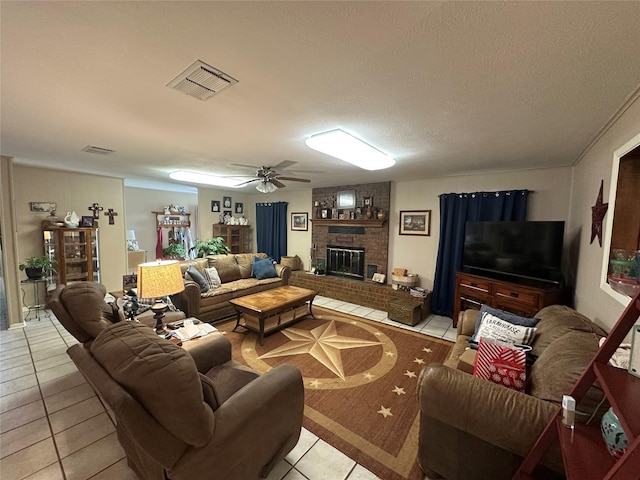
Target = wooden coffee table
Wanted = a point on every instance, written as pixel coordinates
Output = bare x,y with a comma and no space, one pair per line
271,310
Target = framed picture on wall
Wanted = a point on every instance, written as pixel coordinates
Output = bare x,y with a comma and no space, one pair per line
415,222
226,202
239,208
299,221
87,221
215,205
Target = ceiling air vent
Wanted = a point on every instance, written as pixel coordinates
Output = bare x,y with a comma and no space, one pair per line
201,81
97,150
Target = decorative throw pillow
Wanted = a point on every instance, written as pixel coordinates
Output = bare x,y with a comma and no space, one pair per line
498,329
212,277
197,277
262,268
506,316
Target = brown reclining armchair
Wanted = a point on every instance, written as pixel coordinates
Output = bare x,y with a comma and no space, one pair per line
182,413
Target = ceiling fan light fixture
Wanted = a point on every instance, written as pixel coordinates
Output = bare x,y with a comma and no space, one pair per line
204,178
266,187
339,144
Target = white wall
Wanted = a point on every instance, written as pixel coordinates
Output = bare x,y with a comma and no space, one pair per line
549,201
140,202
207,218
594,167
72,192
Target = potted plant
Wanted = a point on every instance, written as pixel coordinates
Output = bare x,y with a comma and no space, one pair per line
38,266
175,251
213,246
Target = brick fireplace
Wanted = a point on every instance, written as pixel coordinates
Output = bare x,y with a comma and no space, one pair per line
349,229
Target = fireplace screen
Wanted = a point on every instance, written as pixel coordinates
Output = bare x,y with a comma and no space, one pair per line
345,261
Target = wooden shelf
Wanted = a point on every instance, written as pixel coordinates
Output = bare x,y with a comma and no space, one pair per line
349,223
623,392
584,452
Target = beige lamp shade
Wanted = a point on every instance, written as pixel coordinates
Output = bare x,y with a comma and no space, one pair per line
160,278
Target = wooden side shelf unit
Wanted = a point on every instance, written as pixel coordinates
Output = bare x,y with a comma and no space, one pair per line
521,299
172,220
584,452
236,237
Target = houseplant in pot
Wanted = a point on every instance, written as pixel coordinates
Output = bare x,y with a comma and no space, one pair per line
175,251
213,246
37,267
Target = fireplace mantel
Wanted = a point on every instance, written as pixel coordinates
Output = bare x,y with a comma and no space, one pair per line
349,223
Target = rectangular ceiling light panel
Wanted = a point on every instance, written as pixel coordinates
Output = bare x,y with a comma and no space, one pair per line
201,81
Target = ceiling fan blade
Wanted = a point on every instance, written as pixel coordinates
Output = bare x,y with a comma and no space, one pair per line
277,183
249,181
283,164
245,166
292,179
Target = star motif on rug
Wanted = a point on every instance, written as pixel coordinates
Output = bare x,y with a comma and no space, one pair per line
368,376
315,383
399,391
419,361
323,343
410,374
425,349
385,412
389,353
248,349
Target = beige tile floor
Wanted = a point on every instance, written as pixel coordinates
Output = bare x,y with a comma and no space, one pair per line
53,427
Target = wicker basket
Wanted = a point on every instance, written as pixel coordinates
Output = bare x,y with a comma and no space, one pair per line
292,262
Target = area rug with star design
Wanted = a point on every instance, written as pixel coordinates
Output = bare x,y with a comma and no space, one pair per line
360,380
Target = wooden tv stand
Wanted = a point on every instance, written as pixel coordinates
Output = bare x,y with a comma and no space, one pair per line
519,298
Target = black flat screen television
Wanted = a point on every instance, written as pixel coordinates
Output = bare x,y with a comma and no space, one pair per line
524,250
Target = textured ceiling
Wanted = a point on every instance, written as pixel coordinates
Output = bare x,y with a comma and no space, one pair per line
446,88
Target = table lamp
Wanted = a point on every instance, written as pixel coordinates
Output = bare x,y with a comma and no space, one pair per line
132,244
156,280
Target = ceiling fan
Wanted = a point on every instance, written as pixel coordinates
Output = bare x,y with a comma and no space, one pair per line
269,178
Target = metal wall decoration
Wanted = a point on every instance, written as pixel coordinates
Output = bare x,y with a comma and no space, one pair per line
110,213
598,212
96,209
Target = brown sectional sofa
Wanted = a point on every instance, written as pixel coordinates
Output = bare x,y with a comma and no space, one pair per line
235,272
474,429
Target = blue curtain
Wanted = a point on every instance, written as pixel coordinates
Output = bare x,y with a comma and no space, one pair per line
455,210
271,229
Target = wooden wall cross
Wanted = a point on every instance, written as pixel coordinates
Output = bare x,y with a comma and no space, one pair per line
110,213
96,209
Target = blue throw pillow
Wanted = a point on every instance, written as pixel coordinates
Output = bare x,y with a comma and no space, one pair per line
197,277
262,268
506,316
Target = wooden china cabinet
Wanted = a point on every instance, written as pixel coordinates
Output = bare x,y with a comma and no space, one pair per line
75,253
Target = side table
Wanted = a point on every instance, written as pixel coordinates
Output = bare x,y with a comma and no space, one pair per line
37,306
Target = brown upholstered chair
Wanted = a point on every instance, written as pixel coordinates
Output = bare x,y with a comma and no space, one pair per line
181,413
81,309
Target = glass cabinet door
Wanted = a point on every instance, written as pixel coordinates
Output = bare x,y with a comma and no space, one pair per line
76,255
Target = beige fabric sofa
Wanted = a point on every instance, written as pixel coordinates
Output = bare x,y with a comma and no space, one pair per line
235,272
472,429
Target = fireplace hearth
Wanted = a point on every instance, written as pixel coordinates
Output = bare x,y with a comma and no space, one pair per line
345,261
